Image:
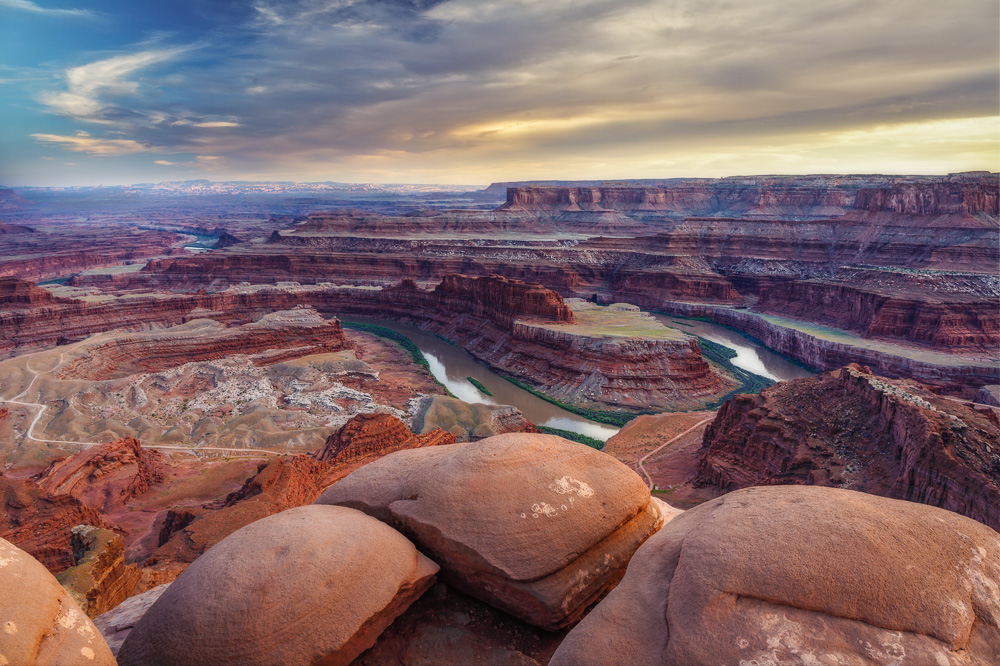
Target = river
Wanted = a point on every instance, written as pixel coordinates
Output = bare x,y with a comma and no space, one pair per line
750,356
452,366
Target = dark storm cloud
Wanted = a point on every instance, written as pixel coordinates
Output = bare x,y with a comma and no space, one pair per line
320,83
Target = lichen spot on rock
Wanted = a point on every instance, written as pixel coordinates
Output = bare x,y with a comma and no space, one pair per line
9,628
568,484
87,652
69,618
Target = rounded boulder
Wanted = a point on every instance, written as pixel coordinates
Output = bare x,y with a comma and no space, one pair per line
802,575
314,584
39,622
533,524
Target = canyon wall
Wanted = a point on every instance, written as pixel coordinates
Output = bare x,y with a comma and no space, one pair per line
825,354
955,321
488,316
788,197
299,332
850,428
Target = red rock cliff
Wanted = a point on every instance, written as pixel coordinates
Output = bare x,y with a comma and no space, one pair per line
104,476
852,429
501,300
40,522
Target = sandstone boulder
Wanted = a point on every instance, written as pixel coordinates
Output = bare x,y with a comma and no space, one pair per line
533,524
802,575
311,584
39,622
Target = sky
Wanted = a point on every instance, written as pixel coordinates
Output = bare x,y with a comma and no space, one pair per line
478,91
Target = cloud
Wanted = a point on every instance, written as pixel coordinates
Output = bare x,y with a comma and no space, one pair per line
165,163
84,143
334,89
86,84
28,6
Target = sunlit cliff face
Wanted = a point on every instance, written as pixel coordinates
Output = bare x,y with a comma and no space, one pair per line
469,91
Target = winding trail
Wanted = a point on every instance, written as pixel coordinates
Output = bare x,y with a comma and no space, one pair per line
642,468
29,434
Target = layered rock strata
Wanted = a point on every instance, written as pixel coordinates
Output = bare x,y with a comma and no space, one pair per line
961,376
100,580
802,575
895,258
853,429
327,579
104,476
40,522
299,332
562,522
787,197
364,435
578,367
39,622
58,251
492,317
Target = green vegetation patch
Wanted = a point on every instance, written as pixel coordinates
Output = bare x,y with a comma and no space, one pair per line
618,419
572,436
480,386
401,340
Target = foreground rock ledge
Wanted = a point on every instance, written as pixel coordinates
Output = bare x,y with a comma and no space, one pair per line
39,622
802,575
533,524
311,584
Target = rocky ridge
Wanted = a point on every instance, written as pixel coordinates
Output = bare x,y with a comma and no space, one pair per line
283,483
40,522
104,476
852,429
298,332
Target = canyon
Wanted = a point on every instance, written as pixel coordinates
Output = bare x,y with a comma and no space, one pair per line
208,374
520,328
905,262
